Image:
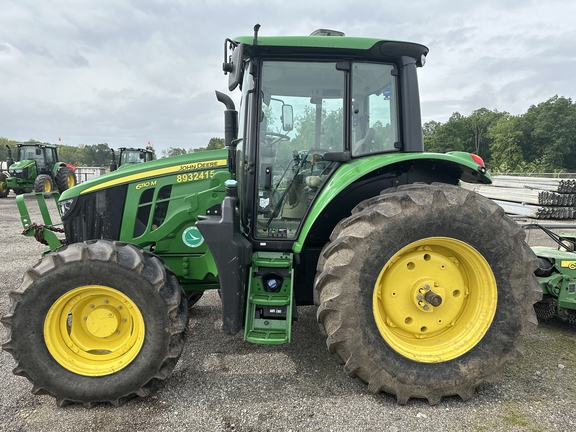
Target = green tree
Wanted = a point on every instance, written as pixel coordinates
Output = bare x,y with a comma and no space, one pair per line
506,145
480,122
95,155
70,154
215,143
551,130
450,136
173,151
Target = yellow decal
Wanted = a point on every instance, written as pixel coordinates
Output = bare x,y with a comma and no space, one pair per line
570,264
146,184
180,169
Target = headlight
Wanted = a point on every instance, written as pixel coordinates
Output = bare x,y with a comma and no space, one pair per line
65,207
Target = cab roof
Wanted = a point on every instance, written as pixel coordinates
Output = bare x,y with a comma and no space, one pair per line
356,47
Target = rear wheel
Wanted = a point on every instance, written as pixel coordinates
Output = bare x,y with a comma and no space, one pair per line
426,291
65,178
43,183
3,188
99,321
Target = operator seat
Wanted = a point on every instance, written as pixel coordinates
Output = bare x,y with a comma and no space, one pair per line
363,146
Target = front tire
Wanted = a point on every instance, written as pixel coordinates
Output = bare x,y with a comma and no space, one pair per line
43,183
375,275
99,321
3,188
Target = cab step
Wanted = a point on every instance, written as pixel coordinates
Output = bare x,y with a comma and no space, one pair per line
270,307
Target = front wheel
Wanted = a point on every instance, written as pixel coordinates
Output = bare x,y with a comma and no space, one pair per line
426,291
3,187
99,321
43,183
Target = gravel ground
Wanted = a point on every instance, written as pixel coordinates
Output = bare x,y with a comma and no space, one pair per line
223,383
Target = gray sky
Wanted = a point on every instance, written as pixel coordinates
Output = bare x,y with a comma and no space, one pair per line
129,72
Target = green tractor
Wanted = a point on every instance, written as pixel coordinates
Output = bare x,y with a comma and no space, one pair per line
36,169
557,275
323,196
130,156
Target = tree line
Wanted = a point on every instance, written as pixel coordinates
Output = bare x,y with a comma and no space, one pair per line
542,140
97,155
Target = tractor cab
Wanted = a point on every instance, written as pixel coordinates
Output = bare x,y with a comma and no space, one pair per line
308,109
130,156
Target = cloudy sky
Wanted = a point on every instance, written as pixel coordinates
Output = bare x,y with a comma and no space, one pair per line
128,72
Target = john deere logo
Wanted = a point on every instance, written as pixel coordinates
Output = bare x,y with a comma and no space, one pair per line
570,264
192,237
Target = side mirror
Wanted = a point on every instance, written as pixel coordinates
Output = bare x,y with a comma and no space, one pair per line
287,118
234,66
38,151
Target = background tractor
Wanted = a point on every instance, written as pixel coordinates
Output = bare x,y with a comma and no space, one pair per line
557,276
37,169
130,156
323,195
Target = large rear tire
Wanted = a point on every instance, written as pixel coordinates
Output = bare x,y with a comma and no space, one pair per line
426,291
65,178
99,321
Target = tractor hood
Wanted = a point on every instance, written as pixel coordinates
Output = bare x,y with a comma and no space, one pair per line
20,165
149,171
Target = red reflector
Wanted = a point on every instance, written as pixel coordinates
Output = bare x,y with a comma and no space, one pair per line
478,160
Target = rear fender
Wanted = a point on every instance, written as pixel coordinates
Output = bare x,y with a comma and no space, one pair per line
432,167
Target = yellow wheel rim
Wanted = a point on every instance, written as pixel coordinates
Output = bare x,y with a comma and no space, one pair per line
435,299
47,186
71,180
94,330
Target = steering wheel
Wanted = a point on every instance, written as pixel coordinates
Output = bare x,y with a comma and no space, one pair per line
273,138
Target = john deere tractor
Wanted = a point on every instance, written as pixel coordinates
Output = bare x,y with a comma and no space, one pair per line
130,156
36,169
323,196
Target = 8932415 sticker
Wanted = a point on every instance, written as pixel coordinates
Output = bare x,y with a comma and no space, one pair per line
194,176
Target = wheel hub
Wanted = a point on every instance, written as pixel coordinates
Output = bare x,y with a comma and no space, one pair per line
102,323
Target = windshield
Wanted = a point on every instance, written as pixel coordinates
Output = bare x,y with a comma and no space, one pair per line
131,157
36,154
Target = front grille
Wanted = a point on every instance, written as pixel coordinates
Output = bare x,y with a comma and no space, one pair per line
96,215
